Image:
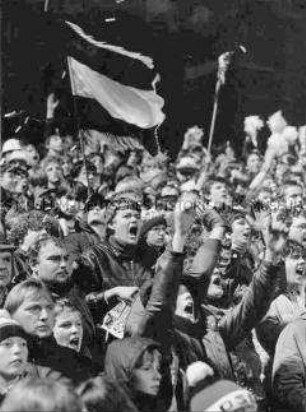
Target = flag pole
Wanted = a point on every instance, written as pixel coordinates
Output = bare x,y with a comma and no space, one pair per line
223,63
80,133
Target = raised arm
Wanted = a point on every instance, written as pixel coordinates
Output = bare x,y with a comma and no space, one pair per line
206,257
237,323
159,309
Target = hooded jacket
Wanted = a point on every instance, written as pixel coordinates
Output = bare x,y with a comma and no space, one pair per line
120,361
289,368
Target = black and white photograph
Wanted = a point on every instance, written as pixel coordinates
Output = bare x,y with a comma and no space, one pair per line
152,216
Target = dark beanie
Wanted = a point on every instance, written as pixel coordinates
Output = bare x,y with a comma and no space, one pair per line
150,223
9,329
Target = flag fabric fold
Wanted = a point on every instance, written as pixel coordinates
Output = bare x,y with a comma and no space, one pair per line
142,108
114,88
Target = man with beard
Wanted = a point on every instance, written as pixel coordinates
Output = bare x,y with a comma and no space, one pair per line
51,264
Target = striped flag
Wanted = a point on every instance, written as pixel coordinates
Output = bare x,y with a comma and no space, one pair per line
114,89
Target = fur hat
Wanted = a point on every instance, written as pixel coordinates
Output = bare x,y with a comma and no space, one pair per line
223,395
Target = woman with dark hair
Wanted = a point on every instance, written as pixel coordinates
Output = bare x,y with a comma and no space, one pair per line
137,366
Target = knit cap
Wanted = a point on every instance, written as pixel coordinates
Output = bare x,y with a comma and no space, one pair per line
150,223
10,328
10,145
223,396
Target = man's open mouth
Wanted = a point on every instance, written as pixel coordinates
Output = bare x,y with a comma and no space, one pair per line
217,281
133,231
189,308
96,223
300,270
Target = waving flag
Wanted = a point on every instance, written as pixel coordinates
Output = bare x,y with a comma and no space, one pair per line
115,89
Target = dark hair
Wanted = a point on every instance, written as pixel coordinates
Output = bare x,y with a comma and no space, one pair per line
99,394
212,181
41,395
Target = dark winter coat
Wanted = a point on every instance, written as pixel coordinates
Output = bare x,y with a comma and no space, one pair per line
289,367
46,352
212,342
120,361
107,265
78,242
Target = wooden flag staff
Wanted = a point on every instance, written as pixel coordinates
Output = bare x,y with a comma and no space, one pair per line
223,64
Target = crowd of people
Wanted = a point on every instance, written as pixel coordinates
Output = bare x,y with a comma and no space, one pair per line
136,283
